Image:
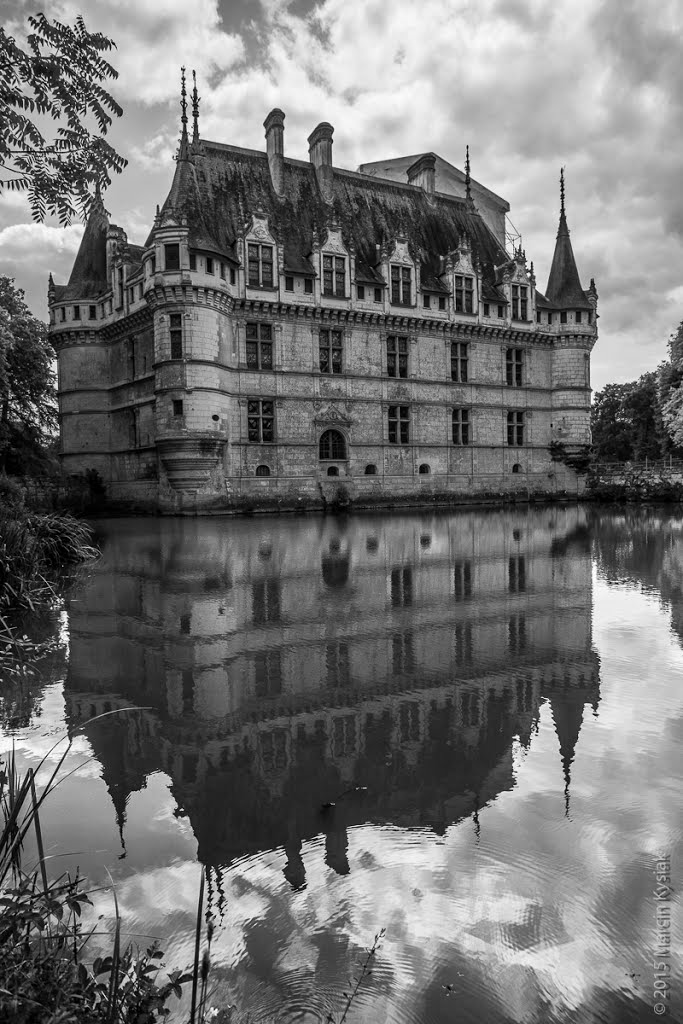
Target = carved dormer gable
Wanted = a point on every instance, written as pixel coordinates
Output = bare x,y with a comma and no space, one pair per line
333,242
519,287
257,229
462,259
331,415
400,252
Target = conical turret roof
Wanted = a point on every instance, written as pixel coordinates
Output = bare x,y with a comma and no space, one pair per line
564,285
89,272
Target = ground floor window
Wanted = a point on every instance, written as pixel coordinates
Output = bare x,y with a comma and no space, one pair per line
260,419
515,429
332,445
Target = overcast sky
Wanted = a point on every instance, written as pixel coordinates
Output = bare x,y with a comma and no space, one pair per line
530,85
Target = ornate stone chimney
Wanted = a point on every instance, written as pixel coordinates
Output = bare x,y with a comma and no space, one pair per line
275,134
423,172
320,153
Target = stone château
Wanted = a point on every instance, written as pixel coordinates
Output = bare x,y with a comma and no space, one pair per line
294,334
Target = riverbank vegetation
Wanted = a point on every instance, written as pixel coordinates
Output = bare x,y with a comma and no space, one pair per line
642,419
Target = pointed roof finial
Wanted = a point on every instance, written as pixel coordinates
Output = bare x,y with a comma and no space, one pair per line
562,211
468,181
195,110
183,150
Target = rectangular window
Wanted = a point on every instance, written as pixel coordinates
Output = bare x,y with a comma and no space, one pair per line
209,265
550,318
590,316
92,312
260,260
176,322
177,407
563,318
520,294
399,424
464,294
360,291
334,276
426,301
193,261
461,426
501,312
442,302
259,346
400,286
517,634
459,359
538,316
378,294
222,270
514,361
487,309
338,664
232,275
265,601
517,574
289,284
261,419
577,316
139,291
119,288
397,356
172,256
330,343
62,314
462,580
463,643
402,663
515,429
402,587
308,286
77,312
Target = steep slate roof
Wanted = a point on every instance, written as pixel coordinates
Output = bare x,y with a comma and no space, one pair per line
218,189
564,286
89,272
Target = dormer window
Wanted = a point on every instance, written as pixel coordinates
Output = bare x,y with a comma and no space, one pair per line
464,294
334,276
260,265
400,285
520,295
172,256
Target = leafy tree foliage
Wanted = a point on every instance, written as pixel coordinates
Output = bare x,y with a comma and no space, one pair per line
610,424
644,418
670,390
58,76
28,413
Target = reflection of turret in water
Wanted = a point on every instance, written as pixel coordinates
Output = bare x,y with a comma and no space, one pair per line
289,662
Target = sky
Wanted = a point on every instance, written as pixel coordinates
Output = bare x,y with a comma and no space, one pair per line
595,86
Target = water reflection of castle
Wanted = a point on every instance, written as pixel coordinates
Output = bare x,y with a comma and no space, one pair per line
288,662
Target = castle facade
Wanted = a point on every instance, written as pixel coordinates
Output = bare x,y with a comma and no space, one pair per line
293,334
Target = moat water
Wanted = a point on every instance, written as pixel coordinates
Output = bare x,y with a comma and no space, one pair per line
464,729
